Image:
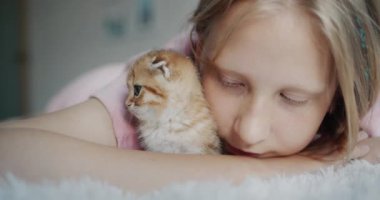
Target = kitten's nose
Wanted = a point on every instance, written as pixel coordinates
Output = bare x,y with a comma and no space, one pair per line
129,103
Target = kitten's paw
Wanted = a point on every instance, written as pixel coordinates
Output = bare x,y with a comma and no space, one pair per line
162,65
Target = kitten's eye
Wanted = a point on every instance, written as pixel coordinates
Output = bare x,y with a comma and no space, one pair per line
293,100
137,90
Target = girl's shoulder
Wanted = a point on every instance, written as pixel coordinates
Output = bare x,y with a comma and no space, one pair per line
106,84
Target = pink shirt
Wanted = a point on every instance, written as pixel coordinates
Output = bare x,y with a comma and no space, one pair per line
108,84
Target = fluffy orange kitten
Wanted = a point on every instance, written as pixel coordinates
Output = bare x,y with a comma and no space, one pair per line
166,96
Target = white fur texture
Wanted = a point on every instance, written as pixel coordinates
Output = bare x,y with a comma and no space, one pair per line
358,180
173,135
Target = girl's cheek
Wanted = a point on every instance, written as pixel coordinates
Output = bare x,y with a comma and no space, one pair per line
295,130
221,105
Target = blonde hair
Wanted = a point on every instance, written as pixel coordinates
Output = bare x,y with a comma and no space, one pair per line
350,29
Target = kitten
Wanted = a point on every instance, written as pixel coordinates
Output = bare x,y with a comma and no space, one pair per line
166,97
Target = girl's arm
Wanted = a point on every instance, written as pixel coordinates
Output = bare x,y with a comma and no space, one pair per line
37,155
374,154
33,150
88,121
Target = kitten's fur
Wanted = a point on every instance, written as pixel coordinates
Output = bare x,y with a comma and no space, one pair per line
166,96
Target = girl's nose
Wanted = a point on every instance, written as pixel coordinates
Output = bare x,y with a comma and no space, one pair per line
252,126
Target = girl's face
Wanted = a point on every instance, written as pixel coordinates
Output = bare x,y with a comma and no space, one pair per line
270,87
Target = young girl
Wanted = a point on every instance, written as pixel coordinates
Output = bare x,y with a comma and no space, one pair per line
287,82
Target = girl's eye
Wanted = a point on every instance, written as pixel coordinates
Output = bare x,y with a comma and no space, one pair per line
137,90
227,82
293,100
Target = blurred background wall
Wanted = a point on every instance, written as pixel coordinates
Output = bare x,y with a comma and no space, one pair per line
13,100
47,43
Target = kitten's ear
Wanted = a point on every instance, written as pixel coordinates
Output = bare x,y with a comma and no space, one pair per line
161,64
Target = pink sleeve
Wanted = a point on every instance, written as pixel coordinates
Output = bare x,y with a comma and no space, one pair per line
182,42
371,121
81,88
113,97
107,84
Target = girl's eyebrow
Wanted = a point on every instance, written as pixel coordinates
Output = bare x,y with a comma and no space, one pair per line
222,69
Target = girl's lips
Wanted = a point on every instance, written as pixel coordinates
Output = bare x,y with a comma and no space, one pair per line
235,151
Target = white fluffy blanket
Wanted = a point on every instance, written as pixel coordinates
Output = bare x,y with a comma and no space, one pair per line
359,180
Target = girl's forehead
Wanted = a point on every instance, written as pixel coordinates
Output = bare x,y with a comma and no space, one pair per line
247,13
240,13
